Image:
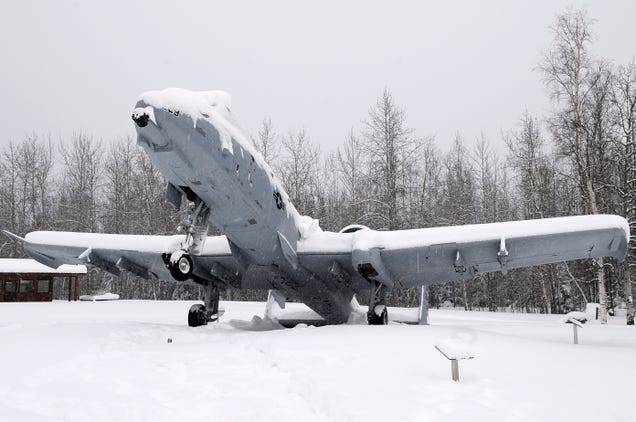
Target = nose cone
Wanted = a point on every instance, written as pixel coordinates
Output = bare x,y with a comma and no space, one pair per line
142,115
148,132
141,119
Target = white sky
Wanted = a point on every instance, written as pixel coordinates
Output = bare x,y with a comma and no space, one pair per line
454,66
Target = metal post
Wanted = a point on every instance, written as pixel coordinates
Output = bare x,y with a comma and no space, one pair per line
423,314
455,369
576,333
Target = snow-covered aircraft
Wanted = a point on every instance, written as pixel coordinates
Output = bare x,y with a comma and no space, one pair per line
194,140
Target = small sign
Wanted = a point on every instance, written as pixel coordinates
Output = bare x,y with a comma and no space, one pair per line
454,350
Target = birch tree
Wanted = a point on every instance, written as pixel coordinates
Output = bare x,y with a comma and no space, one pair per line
569,74
624,100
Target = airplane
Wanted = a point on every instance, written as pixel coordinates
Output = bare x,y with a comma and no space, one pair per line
207,159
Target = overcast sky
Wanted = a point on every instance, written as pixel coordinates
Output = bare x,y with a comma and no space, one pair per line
454,66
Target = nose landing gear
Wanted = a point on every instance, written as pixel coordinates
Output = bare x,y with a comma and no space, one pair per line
195,226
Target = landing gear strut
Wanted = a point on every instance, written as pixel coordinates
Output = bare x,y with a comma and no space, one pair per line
209,311
378,313
195,226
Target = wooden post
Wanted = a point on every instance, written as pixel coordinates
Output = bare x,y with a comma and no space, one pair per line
455,369
70,285
76,288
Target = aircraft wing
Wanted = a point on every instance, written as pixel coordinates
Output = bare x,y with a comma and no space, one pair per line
142,255
409,258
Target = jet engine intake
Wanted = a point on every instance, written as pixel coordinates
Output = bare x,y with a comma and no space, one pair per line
368,263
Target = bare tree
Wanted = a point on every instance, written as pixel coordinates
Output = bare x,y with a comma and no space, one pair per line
536,178
121,198
349,162
391,151
577,126
9,194
82,181
459,187
268,143
298,168
535,173
429,185
624,100
25,178
459,194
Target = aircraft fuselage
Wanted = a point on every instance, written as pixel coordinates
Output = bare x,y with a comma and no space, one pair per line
195,141
206,153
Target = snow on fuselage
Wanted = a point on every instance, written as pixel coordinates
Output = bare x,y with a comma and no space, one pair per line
194,140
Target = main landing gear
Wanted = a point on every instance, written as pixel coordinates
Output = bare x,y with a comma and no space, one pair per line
180,265
378,313
208,312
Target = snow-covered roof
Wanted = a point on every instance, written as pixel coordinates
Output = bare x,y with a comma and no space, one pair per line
31,266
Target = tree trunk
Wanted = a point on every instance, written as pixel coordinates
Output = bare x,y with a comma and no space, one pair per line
466,307
629,299
602,293
600,272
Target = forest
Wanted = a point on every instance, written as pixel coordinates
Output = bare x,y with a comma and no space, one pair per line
577,158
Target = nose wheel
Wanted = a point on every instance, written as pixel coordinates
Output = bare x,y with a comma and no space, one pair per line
195,226
180,265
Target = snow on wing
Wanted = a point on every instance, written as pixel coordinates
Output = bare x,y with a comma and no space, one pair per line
426,256
139,254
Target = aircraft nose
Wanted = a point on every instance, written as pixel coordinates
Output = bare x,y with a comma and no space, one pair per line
141,119
147,133
142,115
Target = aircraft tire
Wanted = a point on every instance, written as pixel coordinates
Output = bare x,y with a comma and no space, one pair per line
375,319
196,316
182,269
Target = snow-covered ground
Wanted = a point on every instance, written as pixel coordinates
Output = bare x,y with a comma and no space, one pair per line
111,361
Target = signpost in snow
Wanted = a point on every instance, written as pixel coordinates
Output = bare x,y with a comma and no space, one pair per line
575,325
454,350
577,319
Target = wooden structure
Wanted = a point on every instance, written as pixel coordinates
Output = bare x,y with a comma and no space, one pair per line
26,280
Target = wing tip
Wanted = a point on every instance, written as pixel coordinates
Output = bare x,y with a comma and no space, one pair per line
13,236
